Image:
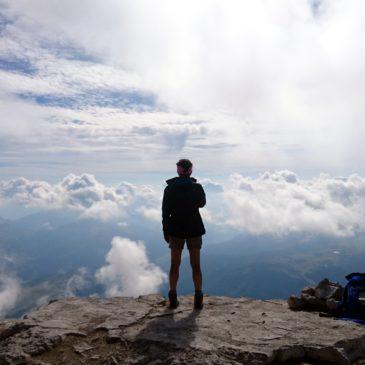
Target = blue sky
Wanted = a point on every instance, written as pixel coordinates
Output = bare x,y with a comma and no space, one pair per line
123,90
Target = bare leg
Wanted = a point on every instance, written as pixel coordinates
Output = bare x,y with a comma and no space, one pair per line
195,265
174,268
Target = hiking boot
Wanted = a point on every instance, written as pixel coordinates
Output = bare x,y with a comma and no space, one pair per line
198,300
173,299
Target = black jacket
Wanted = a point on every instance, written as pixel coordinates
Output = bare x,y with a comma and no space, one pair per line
182,198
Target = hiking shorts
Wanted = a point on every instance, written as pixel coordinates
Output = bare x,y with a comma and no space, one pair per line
178,243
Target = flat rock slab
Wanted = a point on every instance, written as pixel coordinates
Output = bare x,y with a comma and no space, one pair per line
144,331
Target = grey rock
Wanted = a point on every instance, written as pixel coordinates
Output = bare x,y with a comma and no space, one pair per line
313,303
82,347
113,336
328,290
296,303
145,331
309,290
322,298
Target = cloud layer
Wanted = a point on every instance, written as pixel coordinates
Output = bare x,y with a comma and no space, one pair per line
279,203
273,203
128,272
82,193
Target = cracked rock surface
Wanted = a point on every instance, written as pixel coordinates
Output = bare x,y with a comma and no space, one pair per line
144,331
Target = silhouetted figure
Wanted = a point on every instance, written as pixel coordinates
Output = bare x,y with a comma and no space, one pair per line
181,222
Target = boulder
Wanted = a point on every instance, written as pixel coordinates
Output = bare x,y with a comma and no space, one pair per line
327,290
309,290
296,303
325,297
313,303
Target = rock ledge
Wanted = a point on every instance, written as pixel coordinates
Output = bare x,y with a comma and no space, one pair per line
144,331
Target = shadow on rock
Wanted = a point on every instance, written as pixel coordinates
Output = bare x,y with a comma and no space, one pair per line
173,330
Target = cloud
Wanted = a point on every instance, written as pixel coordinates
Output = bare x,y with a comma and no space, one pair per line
83,194
92,134
44,299
211,186
33,193
79,281
9,292
151,213
128,272
284,81
104,210
280,203
274,203
61,104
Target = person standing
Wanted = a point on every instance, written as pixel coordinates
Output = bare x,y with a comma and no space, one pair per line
181,221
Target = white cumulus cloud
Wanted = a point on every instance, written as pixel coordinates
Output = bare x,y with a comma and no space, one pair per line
280,202
128,271
274,203
9,292
82,193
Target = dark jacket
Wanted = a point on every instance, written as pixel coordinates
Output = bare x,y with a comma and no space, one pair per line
182,198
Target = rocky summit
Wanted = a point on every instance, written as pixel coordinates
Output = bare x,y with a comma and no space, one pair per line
145,331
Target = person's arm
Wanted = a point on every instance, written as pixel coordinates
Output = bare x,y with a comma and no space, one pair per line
200,196
165,213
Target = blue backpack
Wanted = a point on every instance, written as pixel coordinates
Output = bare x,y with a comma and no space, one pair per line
353,301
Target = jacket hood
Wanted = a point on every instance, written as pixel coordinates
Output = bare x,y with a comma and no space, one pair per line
172,180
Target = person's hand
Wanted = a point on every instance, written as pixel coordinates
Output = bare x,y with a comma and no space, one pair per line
166,237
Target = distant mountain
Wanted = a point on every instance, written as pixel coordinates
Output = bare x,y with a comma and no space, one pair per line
47,250
274,267
46,220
